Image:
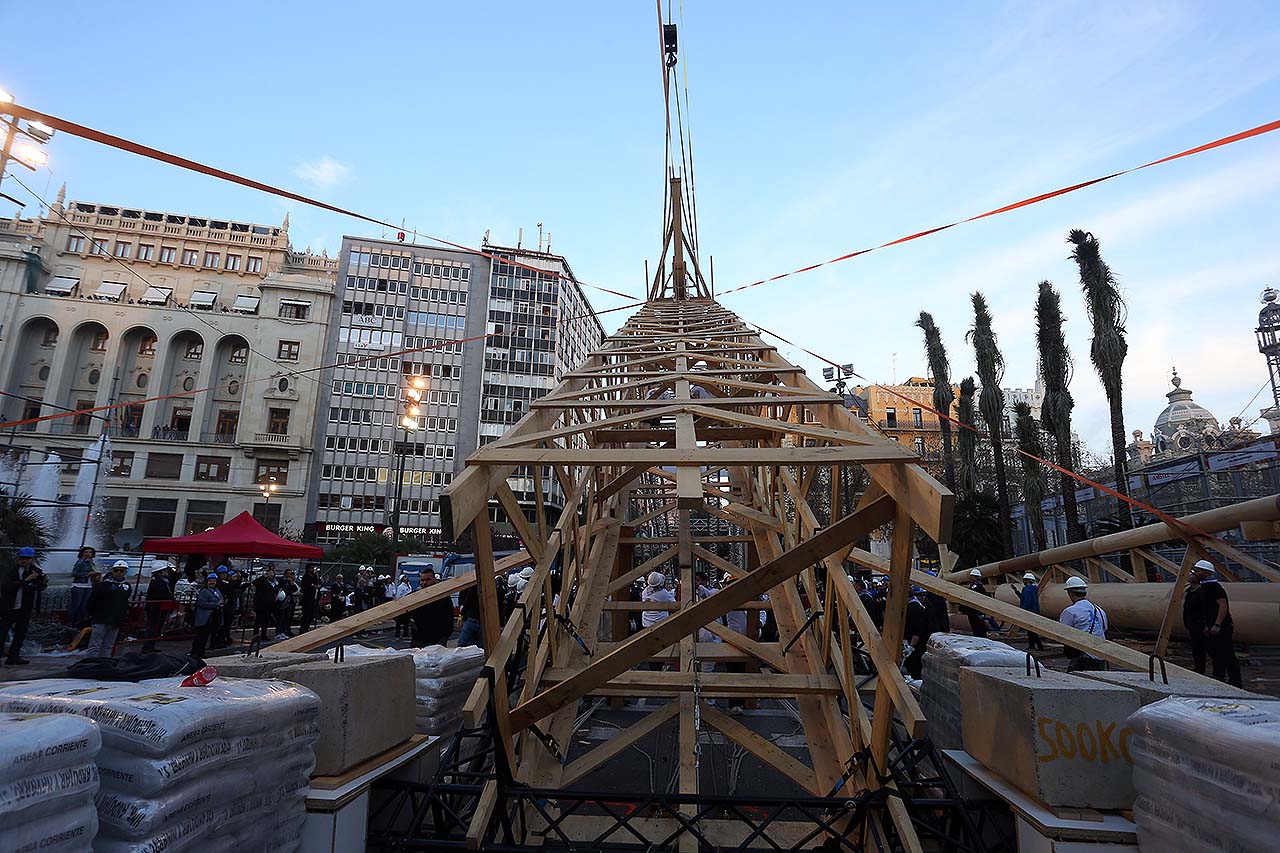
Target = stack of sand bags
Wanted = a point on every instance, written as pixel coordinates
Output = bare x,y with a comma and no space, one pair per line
944,657
48,780
1207,775
442,679
220,767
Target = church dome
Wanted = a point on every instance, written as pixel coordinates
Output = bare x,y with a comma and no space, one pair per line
1183,415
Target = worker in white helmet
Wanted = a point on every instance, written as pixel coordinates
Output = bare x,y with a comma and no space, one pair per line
1206,614
1029,600
655,589
1086,616
977,620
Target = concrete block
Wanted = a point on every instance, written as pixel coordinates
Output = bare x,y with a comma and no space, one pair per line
1153,691
366,707
1060,738
264,666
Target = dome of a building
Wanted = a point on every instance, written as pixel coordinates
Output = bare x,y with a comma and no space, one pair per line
1183,414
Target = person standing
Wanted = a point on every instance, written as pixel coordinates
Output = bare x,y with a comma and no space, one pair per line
267,596
399,591
977,623
159,601
1086,616
21,584
338,598
470,633
918,629
231,585
81,586
209,603
284,610
108,610
310,585
1029,600
1206,614
655,590
433,621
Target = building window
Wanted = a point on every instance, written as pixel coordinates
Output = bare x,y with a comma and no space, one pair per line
201,515
99,343
253,264
213,468
239,354
145,251
121,463
890,417
211,260
195,350
278,421
189,257
123,249
50,338
228,420
233,262
917,420
168,254
919,444
269,468
289,350
97,247
292,309
147,346
164,466
155,516
75,244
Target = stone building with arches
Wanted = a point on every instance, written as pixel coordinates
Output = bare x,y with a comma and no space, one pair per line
190,334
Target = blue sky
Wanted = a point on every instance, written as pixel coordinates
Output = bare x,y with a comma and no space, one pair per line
818,128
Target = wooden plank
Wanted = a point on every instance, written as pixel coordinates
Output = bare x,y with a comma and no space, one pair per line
483,814
669,630
717,683
766,653
891,638
617,744
889,452
325,635
623,581
515,513
766,751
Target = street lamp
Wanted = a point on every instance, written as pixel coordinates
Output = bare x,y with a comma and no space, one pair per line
29,154
268,488
409,423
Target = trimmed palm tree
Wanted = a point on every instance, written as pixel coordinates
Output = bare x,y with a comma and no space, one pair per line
967,439
990,363
936,353
1033,481
1055,409
1106,309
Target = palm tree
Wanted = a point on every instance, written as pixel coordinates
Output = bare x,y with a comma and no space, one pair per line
1055,409
967,439
19,524
1033,486
1107,313
990,363
943,395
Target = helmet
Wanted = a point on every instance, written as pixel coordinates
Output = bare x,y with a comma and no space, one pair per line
280,595
120,564
526,572
1206,566
27,551
1076,583
657,579
975,573
1029,577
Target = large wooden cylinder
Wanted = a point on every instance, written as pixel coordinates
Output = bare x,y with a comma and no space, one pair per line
1255,607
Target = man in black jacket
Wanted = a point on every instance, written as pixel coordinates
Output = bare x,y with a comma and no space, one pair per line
1206,614
432,622
918,628
108,610
266,598
21,584
284,609
310,597
977,622
338,598
159,602
231,585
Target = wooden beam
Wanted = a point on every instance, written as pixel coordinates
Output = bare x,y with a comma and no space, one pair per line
880,454
617,744
766,751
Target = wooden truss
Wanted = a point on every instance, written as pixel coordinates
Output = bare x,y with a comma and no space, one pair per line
685,412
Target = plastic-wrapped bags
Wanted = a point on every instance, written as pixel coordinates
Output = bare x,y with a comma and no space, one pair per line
944,657
47,782
1207,775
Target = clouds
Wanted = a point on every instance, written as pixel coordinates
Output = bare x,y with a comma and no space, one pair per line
324,173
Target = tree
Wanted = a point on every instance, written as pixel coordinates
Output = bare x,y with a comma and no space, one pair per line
975,530
990,363
1033,485
943,395
1106,309
1055,409
370,549
967,440
19,524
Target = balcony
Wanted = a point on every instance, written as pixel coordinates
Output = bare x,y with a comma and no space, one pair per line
272,441
273,438
217,438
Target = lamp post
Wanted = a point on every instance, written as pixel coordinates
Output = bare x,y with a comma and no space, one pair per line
28,153
268,488
409,423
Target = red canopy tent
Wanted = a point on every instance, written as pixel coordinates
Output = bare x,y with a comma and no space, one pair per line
242,536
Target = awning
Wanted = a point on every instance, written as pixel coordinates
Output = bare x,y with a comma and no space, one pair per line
203,298
110,290
246,304
156,295
62,285
242,536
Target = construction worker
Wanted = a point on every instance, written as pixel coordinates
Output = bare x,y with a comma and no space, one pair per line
310,585
209,603
1029,600
656,590
919,627
400,590
1086,616
108,610
159,602
977,620
1206,614
21,584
